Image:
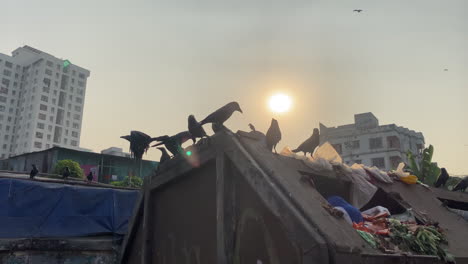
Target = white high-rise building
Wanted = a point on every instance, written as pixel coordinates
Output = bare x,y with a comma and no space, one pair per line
41,102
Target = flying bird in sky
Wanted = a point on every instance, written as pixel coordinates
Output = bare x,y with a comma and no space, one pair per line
310,144
139,143
357,10
222,114
195,128
33,172
174,143
273,135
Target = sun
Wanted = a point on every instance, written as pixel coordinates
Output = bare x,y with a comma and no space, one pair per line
280,103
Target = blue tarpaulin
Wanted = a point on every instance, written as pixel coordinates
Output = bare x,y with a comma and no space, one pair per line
40,209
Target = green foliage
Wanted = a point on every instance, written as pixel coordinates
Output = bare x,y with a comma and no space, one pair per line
427,171
133,182
75,169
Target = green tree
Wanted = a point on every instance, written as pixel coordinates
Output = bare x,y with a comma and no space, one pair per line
427,171
75,169
133,182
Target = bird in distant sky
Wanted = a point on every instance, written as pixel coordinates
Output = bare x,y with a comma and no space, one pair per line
273,135
445,69
33,172
357,10
310,144
222,114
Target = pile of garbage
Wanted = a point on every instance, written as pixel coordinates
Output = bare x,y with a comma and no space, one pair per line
401,234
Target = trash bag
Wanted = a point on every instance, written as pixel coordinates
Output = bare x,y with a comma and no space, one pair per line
353,212
327,151
378,174
363,190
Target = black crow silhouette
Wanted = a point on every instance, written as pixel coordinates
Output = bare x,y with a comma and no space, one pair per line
174,143
195,128
443,177
310,144
139,143
273,135
222,114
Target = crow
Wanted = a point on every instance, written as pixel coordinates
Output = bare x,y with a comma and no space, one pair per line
33,172
222,114
195,128
139,143
443,177
164,156
217,127
90,176
273,135
310,144
66,173
174,143
252,127
357,10
462,185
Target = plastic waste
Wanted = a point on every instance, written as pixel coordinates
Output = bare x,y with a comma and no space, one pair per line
375,211
327,151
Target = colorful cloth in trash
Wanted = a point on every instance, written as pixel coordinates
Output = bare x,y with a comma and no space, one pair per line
352,211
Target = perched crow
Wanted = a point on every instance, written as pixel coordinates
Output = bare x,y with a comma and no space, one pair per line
33,172
310,144
252,127
273,135
164,156
357,10
90,176
222,114
462,185
217,127
139,143
66,173
195,128
443,177
174,143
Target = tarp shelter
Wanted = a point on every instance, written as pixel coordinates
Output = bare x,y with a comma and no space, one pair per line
233,201
33,209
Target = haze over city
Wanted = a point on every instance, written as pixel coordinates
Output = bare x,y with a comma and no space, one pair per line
153,63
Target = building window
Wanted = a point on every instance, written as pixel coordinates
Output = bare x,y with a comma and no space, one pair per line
48,72
42,116
337,147
82,75
8,64
43,107
7,73
44,98
375,143
358,161
80,84
394,161
49,64
74,134
352,144
39,135
77,108
3,99
37,144
76,116
76,126
79,100
40,125
74,143
393,142
2,108
378,162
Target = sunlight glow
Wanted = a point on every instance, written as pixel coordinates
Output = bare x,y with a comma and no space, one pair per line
280,103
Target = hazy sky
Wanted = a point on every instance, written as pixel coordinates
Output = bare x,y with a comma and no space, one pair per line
153,63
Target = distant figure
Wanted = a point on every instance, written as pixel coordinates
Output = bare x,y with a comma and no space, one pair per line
273,135
357,10
310,144
139,143
222,114
443,177
462,185
164,155
90,176
66,173
174,143
252,127
33,172
195,128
